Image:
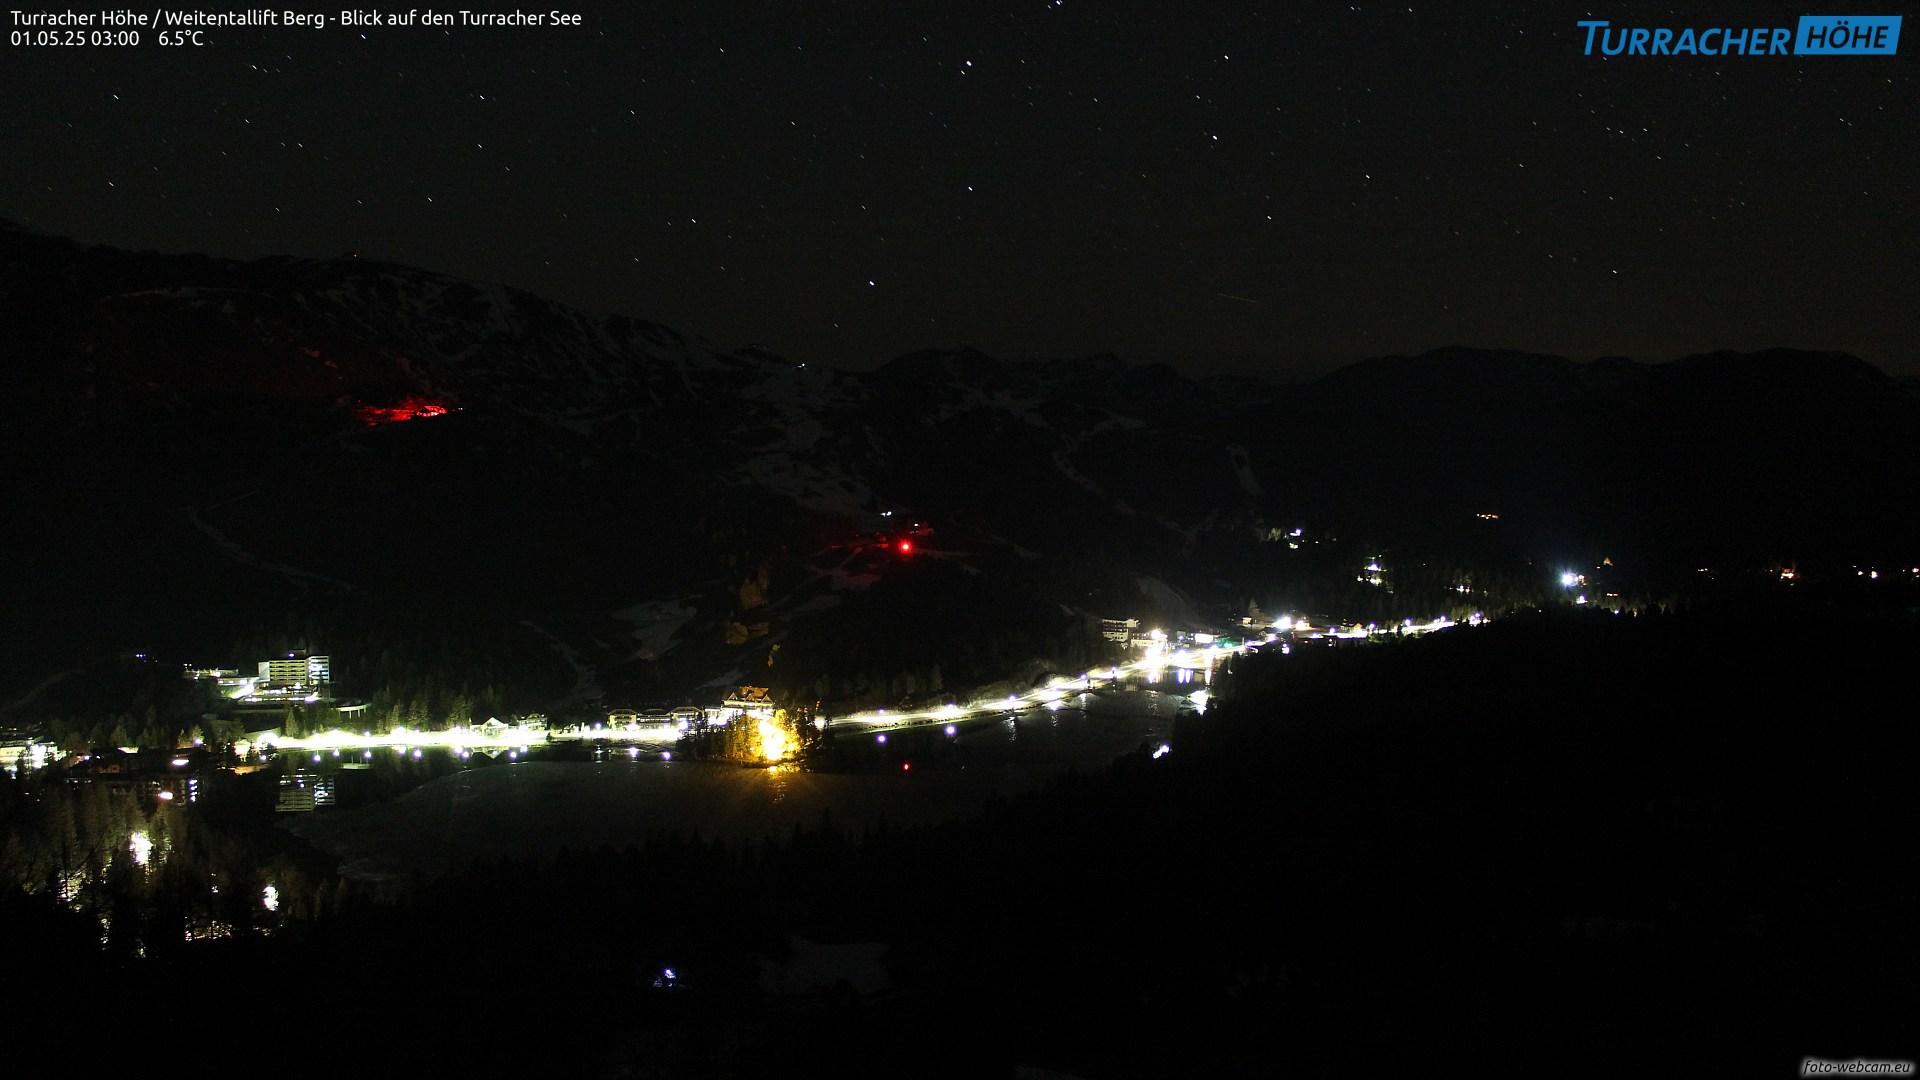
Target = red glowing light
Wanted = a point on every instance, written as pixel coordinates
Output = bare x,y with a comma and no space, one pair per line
906,547
906,766
410,409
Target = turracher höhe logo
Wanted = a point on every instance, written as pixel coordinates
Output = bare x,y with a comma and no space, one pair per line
1817,35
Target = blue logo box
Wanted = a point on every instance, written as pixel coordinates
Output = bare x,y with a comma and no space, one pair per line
1847,35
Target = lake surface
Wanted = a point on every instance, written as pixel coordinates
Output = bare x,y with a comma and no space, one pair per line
581,796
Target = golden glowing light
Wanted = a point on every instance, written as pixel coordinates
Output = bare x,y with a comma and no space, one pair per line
773,741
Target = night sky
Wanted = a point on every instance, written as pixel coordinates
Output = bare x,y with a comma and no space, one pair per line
1283,187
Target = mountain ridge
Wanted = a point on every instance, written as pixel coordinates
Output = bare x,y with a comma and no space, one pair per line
577,465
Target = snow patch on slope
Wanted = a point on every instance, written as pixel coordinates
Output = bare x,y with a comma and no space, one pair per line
1243,469
824,489
302,578
1063,460
586,684
657,625
795,463
1168,599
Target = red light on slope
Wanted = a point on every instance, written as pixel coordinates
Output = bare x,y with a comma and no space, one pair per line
906,547
410,409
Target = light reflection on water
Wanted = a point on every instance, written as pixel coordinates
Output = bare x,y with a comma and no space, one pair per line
450,810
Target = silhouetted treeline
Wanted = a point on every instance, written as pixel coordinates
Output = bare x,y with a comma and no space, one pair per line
152,875
1584,838
423,665
929,626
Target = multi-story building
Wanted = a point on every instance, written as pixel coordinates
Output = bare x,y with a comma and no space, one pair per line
751,702
297,670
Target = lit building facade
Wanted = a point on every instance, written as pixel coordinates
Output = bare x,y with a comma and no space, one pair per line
297,670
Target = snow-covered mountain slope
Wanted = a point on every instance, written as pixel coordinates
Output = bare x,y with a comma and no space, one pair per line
422,436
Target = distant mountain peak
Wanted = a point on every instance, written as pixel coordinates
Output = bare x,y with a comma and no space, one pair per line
1784,361
965,364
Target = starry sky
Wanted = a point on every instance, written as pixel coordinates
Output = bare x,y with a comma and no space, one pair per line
1220,186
